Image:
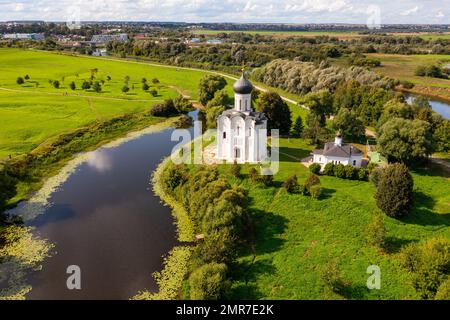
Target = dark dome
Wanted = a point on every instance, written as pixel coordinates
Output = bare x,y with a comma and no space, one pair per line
243,86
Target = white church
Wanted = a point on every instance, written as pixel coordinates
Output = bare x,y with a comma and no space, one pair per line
242,132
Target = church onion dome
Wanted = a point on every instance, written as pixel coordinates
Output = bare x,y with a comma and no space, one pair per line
243,86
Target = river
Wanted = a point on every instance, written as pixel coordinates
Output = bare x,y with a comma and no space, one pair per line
106,219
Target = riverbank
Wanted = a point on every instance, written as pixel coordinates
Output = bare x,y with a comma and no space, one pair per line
23,250
439,94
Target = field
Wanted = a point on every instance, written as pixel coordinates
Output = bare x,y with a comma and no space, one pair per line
33,112
296,236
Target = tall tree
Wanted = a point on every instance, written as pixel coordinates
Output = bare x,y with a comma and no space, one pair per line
208,86
277,112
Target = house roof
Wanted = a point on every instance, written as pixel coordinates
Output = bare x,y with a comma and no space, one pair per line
333,150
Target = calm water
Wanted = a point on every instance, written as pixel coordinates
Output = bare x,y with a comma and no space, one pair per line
106,220
440,107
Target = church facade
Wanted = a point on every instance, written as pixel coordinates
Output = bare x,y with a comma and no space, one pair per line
242,132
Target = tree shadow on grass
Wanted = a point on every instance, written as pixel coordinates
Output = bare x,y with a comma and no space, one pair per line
327,193
394,244
264,230
422,212
353,291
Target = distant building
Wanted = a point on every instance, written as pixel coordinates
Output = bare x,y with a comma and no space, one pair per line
214,41
24,36
104,38
100,53
338,153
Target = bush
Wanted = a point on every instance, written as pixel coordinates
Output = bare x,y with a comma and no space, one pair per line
165,109
394,194
407,84
315,168
429,263
362,174
72,85
312,180
291,184
145,86
375,176
20,81
174,176
329,169
56,84
97,87
350,172
182,104
254,175
376,232
315,191
236,170
153,92
266,179
443,292
209,282
125,88
86,85
339,171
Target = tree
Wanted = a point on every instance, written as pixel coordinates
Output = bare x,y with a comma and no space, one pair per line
153,92
405,140
155,81
208,86
125,88
443,293
312,180
315,191
56,84
145,86
97,87
236,170
375,176
376,232
315,168
442,136
27,77
347,122
144,80
394,194
20,81
165,109
221,98
350,172
291,184
362,174
329,169
277,112
339,171
182,104
209,282
72,85
298,127
7,188
108,78
212,114
320,105
254,175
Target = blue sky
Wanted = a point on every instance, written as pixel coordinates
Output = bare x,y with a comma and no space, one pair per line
280,11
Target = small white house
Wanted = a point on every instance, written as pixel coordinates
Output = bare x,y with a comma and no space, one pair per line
338,153
242,132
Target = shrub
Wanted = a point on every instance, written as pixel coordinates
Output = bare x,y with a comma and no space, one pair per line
303,190
329,169
394,194
72,85
165,109
145,86
254,175
407,84
209,282
155,81
20,81
350,172
429,263
86,85
312,180
236,170
291,184
97,87
153,92
375,176
443,292
315,191
376,232
362,174
125,88
266,179
332,277
56,84
27,77
174,176
182,104
339,171
315,168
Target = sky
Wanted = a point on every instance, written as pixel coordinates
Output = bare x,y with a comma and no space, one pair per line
244,11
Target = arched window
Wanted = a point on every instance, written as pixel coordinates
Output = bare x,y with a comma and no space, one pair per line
224,135
237,153
354,163
240,105
238,130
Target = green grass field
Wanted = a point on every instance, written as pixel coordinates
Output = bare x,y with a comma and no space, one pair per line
296,236
30,113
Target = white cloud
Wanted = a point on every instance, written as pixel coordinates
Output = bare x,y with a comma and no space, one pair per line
282,11
410,11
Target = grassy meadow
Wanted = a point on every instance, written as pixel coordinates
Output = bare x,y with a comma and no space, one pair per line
35,111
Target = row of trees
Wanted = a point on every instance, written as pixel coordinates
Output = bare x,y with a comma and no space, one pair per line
171,107
218,212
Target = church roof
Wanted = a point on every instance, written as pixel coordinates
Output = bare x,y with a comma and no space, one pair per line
258,117
243,86
333,150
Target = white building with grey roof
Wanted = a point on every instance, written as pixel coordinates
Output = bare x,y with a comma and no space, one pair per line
242,132
338,153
